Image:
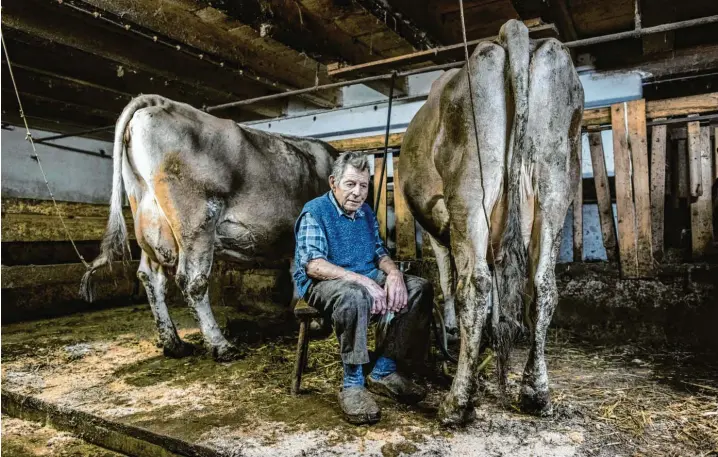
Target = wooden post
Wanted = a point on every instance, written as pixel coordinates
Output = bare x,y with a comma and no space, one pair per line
578,217
405,228
715,153
603,195
624,193
702,207
381,211
680,173
638,146
658,188
694,159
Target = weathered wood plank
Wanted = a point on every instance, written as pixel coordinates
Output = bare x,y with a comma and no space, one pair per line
694,159
578,219
381,210
24,276
658,188
624,193
681,106
405,227
701,207
603,195
32,227
638,149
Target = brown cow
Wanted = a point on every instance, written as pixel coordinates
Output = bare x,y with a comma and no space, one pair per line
503,187
199,186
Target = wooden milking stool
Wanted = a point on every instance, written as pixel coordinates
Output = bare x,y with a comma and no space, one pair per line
304,313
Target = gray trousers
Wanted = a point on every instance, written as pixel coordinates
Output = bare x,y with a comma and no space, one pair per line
348,305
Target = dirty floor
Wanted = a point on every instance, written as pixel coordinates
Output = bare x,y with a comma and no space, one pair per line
608,400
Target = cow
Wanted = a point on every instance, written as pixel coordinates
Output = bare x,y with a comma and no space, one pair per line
199,187
490,174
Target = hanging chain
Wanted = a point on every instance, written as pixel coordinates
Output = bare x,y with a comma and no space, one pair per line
35,156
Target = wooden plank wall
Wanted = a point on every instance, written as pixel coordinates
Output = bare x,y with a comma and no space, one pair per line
603,195
658,188
699,151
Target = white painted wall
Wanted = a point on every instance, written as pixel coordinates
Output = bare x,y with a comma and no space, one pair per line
73,176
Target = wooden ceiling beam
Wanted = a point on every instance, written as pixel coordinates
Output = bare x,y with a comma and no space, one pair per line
44,84
399,23
35,106
129,52
265,61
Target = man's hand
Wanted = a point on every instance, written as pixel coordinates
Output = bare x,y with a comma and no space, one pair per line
376,293
396,294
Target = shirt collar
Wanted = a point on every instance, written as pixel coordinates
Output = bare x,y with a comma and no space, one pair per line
340,210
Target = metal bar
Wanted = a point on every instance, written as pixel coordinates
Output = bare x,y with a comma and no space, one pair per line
571,44
69,135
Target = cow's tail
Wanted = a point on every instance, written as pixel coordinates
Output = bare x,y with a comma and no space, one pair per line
114,242
512,268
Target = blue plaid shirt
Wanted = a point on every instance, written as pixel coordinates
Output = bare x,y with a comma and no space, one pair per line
312,242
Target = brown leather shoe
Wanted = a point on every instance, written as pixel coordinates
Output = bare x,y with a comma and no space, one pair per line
396,387
358,406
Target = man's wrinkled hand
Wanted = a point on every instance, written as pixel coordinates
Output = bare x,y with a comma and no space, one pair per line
396,295
377,294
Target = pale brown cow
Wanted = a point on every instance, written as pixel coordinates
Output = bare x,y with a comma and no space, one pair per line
515,173
199,186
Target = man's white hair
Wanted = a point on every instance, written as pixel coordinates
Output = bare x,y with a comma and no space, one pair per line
355,159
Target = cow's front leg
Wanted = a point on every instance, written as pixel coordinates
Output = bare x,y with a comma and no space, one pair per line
535,397
193,270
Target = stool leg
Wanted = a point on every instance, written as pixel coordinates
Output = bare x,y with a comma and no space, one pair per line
299,363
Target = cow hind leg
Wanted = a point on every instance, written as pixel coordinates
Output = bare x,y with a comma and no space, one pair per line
154,280
193,271
555,98
472,299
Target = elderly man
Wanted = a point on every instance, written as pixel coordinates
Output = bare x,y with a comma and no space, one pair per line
343,269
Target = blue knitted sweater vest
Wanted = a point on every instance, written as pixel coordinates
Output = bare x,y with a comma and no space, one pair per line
351,242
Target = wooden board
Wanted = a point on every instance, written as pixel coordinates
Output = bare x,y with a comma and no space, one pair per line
715,154
381,211
695,182
578,218
405,227
638,147
603,195
658,188
624,193
28,220
701,207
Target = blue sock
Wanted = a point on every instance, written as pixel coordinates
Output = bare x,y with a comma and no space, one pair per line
383,367
353,376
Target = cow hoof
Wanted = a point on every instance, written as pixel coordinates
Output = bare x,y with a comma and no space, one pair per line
451,414
227,353
535,402
178,350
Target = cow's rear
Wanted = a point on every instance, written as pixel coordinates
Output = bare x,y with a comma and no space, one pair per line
495,188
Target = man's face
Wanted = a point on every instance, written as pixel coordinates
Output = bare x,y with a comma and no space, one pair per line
351,191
